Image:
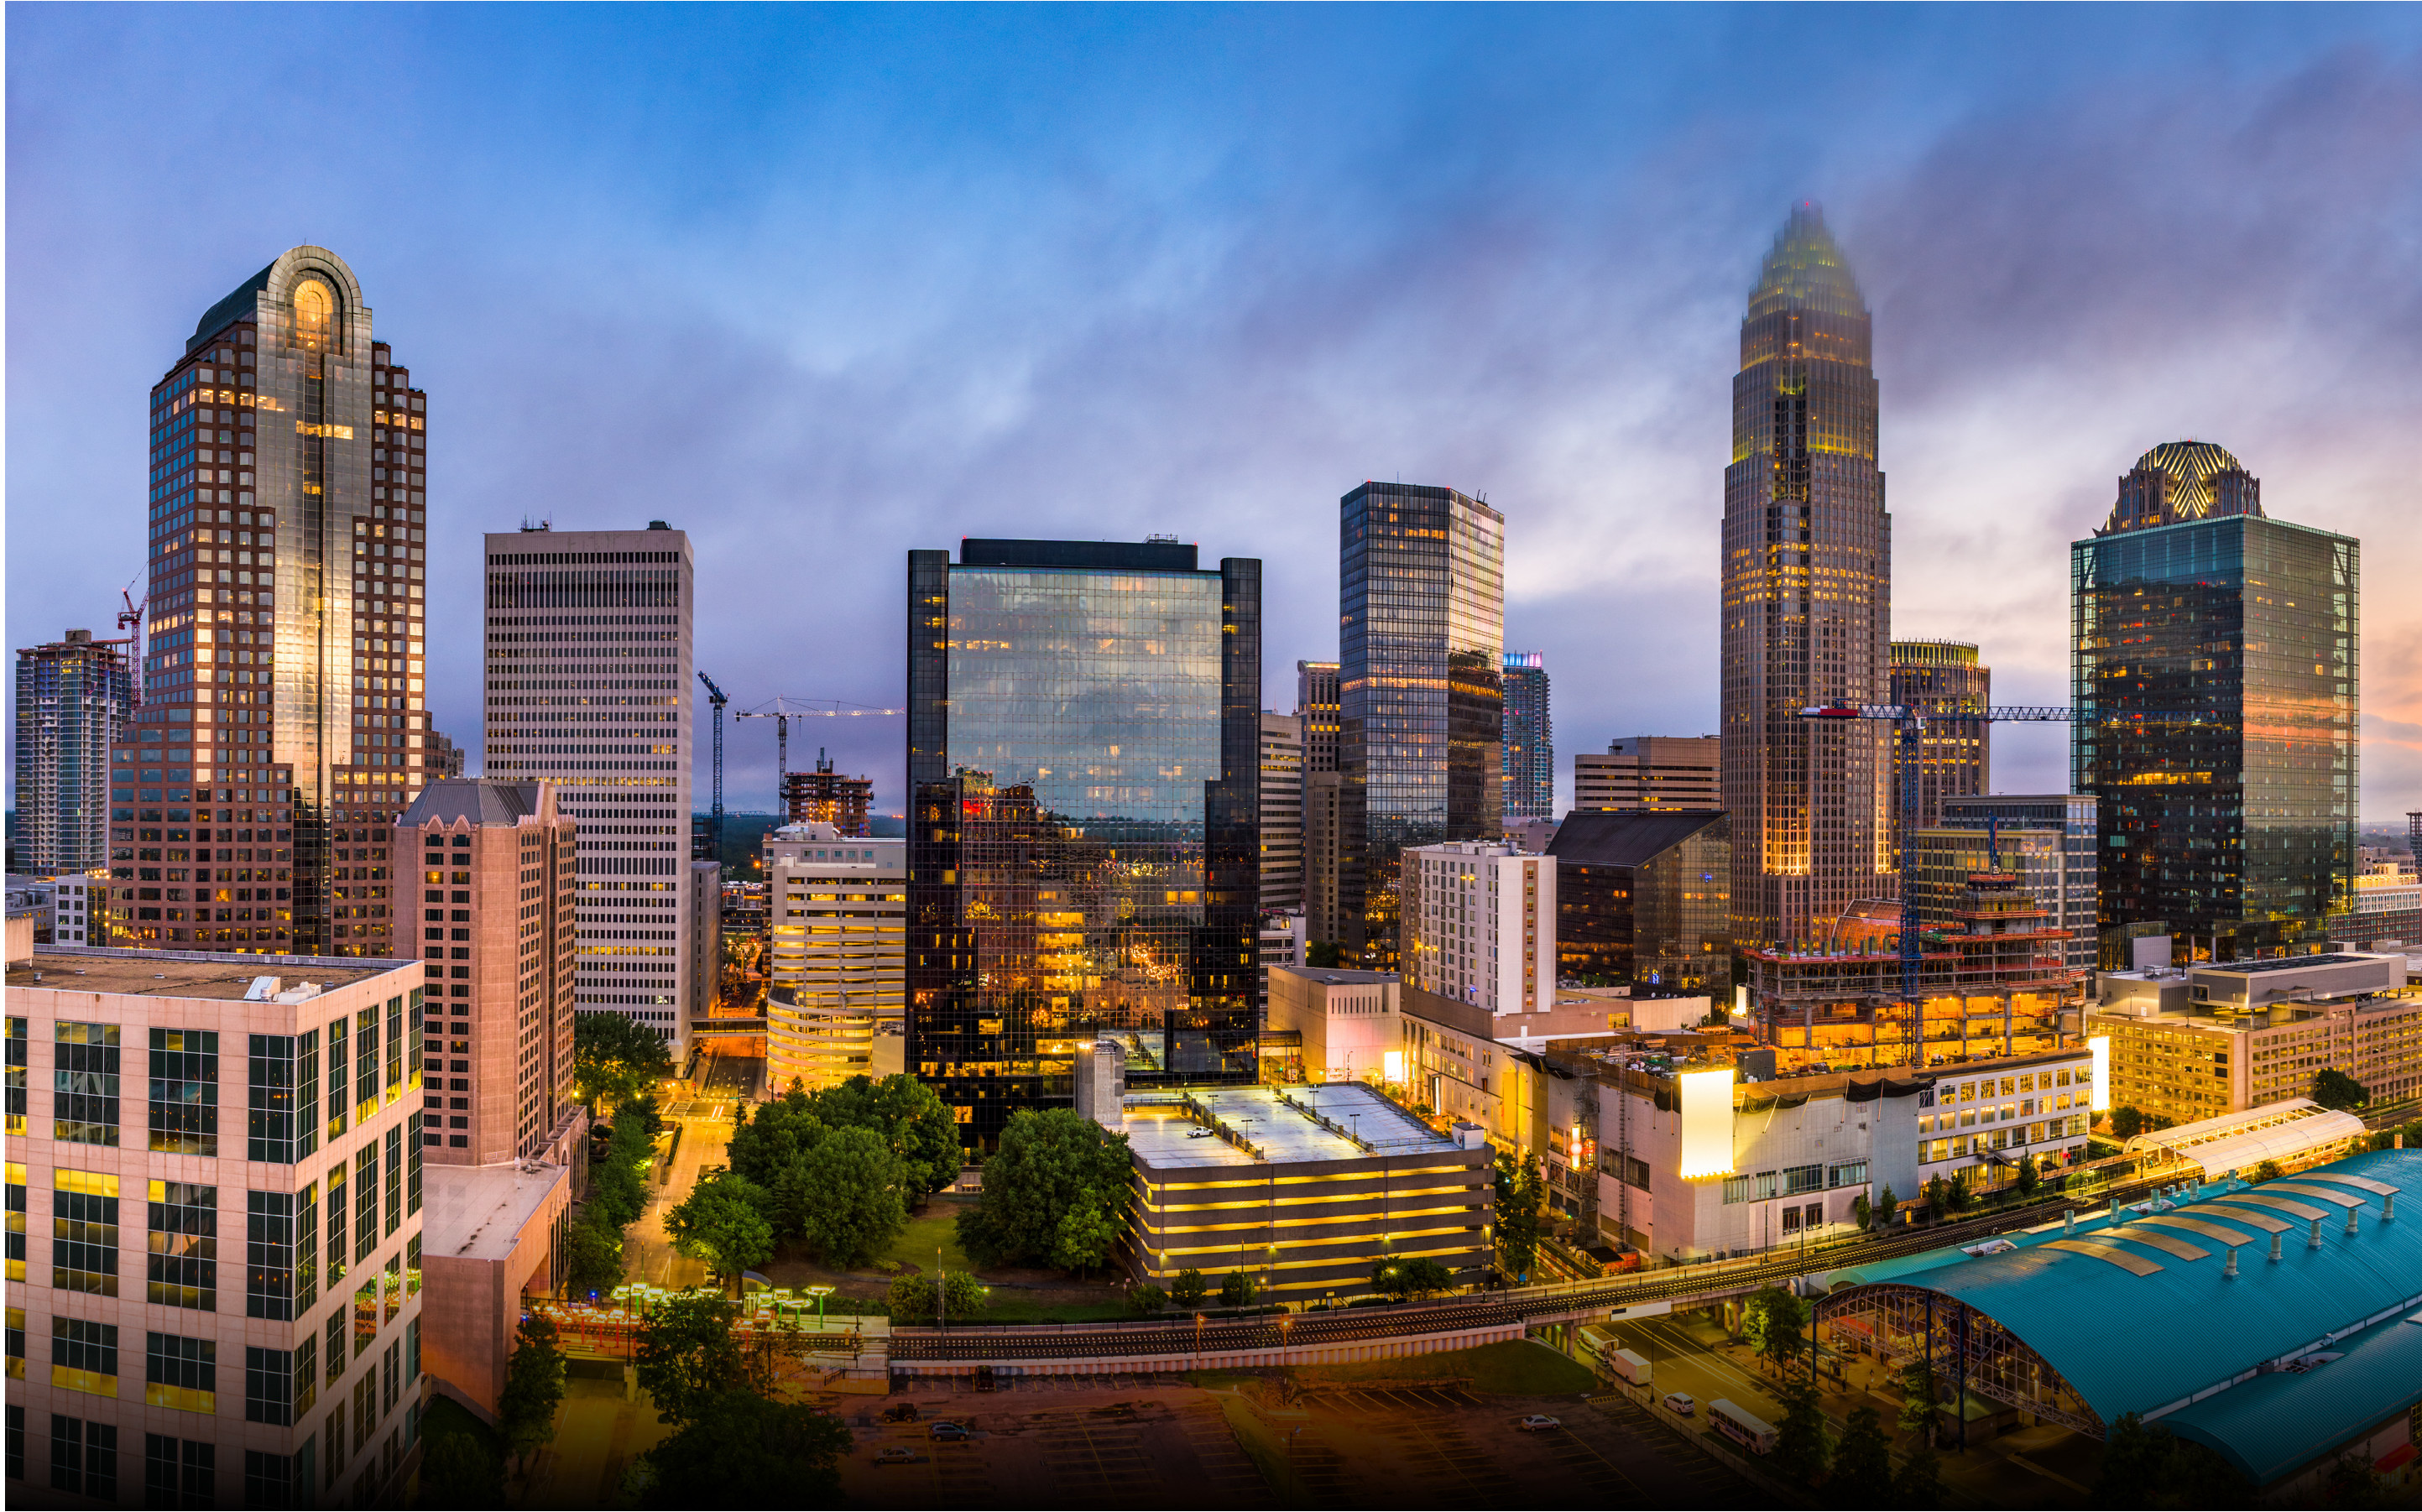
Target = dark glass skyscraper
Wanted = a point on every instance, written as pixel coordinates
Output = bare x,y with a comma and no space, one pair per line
2235,832
1529,742
1084,855
1807,599
1421,689
1954,759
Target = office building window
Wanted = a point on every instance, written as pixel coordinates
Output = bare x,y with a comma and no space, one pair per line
83,1081
16,1235
84,1356
307,1094
184,1245
336,1211
339,1105
269,1255
366,1312
16,1442
185,1092
269,1113
180,1372
1798,1179
268,1386
366,1047
16,1057
307,1372
83,1232
306,1246
395,1049
335,1350
366,1229
395,1177
84,1458
411,1183
179,1473
269,1480
16,1335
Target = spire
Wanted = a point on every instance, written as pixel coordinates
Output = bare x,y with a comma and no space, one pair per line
1806,269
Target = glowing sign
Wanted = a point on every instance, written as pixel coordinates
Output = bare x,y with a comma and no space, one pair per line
2101,1045
1394,1062
1740,1002
1707,1122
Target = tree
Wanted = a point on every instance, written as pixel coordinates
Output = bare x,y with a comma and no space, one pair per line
2133,1457
1237,1289
1147,1299
458,1471
1918,1408
1887,1206
593,1254
2334,1088
849,1187
615,1058
1420,1278
722,1222
1323,955
616,1186
533,1387
1938,1197
1919,1483
1862,1467
2268,1171
1047,1164
737,1448
1187,1289
1957,1195
1862,1212
688,1350
1772,1321
1799,1447
2353,1483
2029,1178
1521,1197
1085,1236
2126,1123
908,1116
912,1297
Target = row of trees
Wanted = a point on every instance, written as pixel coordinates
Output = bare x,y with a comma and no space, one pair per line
733,1442
618,1194
1055,1192
458,1470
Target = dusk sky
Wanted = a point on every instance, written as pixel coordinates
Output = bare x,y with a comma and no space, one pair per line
820,285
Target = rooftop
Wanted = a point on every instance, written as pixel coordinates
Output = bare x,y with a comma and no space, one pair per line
477,800
478,1212
1590,837
1281,1125
1338,976
2240,1141
189,973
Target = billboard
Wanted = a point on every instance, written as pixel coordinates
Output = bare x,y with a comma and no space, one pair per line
1707,1122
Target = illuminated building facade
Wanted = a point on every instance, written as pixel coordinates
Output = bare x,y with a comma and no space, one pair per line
73,695
1281,888
836,959
284,720
1651,772
2234,833
1316,705
827,796
1420,686
1641,900
1807,600
1954,761
1083,761
1530,739
1480,924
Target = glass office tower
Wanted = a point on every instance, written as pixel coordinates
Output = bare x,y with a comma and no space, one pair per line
2234,833
1083,764
1421,689
1530,740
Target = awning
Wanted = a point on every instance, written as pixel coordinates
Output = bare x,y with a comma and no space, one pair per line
2281,1131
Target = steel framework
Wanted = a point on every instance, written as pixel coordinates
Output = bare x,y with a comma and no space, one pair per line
1902,1323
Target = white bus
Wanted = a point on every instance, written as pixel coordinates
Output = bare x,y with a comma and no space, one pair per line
1741,1428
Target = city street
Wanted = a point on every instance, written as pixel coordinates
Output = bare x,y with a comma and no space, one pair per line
703,1109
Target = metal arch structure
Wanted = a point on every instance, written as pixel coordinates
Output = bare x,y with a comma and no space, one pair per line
1901,1323
781,710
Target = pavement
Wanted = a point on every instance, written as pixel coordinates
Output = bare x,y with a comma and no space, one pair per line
704,1110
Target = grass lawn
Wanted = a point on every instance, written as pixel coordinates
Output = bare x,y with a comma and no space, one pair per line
1013,1307
1518,1367
936,1225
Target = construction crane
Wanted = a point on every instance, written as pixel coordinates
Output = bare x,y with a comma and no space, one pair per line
1909,724
130,619
714,819
783,710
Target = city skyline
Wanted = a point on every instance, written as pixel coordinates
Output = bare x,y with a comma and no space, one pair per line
1589,327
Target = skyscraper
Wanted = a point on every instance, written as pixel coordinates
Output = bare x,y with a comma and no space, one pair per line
1421,689
588,678
72,695
2236,831
1530,743
284,717
499,857
1281,888
837,912
1807,599
1316,705
1956,759
1651,772
1083,777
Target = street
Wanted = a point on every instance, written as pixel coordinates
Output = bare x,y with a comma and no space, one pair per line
703,1109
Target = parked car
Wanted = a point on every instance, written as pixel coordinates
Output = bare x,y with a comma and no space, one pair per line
899,1453
1680,1404
1540,1423
984,1377
899,1413
947,1432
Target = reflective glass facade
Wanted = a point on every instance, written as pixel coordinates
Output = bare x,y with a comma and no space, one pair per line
1421,689
1530,740
1807,599
1084,856
2236,833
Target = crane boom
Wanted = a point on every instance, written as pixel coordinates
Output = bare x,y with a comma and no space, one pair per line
782,714
714,818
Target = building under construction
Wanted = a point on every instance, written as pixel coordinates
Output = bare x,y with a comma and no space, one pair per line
826,796
1993,983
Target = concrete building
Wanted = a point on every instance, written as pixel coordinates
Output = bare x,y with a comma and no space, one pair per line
73,697
1954,759
705,903
1530,743
284,666
1284,942
79,908
2210,1039
2056,834
588,673
1281,888
837,957
1642,900
1325,851
1305,1188
827,796
263,1348
495,1233
1480,924
495,862
1348,1022
1651,772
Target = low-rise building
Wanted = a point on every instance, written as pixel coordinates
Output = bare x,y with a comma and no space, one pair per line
1479,924
1347,1020
2214,1038
1304,1188
79,906
495,1233
1285,940
837,962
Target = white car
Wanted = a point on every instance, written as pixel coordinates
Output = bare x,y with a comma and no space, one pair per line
1540,1423
1680,1404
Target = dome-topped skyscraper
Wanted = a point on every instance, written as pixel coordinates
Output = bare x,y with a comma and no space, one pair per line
1807,598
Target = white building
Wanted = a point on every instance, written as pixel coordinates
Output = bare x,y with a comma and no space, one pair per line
78,901
1350,1023
589,674
837,937
1281,790
1479,924
1283,940
2388,887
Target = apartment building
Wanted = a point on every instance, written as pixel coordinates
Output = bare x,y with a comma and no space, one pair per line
837,910
1479,924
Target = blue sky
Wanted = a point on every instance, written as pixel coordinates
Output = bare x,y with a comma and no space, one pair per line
824,285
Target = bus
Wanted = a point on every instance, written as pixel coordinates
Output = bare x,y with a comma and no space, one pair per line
1740,1427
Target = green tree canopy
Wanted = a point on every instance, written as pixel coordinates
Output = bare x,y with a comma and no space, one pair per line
2334,1088
1918,1408
1085,1235
737,1448
1521,1201
615,1058
1919,1481
912,1297
2126,1123
2268,1171
849,1195
533,1387
909,1117
1887,1206
1418,1277
688,1350
1147,1299
1772,1320
1189,1288
722,1222
1862,1468
2029,1178
1800,1448
1048,1164
593,1254
457,1471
